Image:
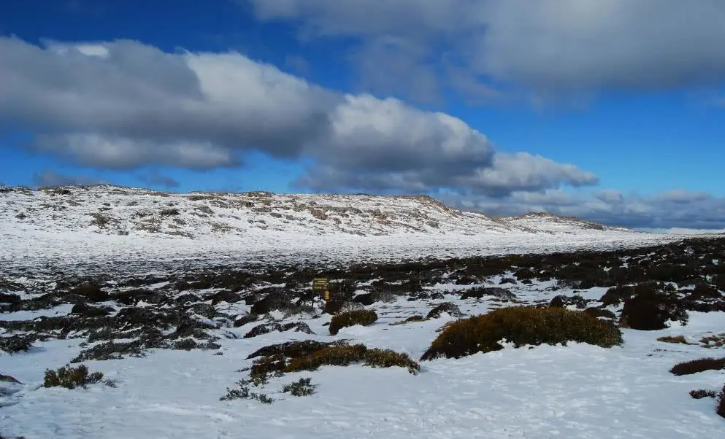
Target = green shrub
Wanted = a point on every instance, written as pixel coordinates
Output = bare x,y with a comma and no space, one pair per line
352,318
303,387
243,392
697,366
71,377
521,326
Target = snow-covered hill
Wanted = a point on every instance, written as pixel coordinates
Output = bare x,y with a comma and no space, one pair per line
87,222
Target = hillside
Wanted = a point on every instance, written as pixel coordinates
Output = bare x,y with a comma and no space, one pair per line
87,222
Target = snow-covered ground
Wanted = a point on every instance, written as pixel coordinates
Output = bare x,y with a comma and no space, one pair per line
577,391
101,224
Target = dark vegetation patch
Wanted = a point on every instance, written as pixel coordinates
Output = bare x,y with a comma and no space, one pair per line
676,339
521,326
16,343
72,377
697,366
302,387
702,393
720,410
480,292
651,308
600,312
266,328
445,308
352,318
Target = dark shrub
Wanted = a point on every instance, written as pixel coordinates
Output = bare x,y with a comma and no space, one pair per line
86,310
291,349
697,366
563,301
721,403
9,298
702,393
651,310
303,387
364,299
615,295
525,274
70,377
352,318
91,291
447,308
671,273
521,326
16,343
276,300
244,319
478,293
225,296
705,292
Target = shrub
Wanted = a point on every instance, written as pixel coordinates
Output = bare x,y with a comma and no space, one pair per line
345,355
303,387
243,392
651,310
352,318
673,339
71,377
521,326
721,403
702,393
415,318
697,366
445,307
16,343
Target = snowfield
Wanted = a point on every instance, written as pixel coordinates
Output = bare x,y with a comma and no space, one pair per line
578,391
109,224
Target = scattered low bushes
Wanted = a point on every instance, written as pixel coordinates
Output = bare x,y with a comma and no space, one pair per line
521,326
697,366
352,318
243,392
303,387
446,307
72,377
673,339
721,403
16,343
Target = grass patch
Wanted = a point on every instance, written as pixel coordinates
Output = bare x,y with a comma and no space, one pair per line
352,318
521,326
673,339
303,387
697,366
72,377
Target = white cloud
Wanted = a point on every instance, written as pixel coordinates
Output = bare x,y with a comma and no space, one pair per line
123,105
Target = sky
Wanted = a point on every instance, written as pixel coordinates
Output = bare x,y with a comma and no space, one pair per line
609,110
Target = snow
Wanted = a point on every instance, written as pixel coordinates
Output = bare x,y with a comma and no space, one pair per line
577,391
60,226
574,391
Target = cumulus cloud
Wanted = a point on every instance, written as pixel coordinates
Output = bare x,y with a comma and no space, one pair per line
125,105
49,177
548,47
678,208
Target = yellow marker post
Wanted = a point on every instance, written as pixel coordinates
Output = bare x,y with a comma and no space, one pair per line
320,284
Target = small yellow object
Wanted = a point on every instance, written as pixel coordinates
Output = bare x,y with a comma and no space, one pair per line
327,296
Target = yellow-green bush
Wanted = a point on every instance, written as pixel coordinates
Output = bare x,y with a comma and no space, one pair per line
521,326
70,377
350,354
352,318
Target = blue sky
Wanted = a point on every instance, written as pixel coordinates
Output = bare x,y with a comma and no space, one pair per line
609,110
